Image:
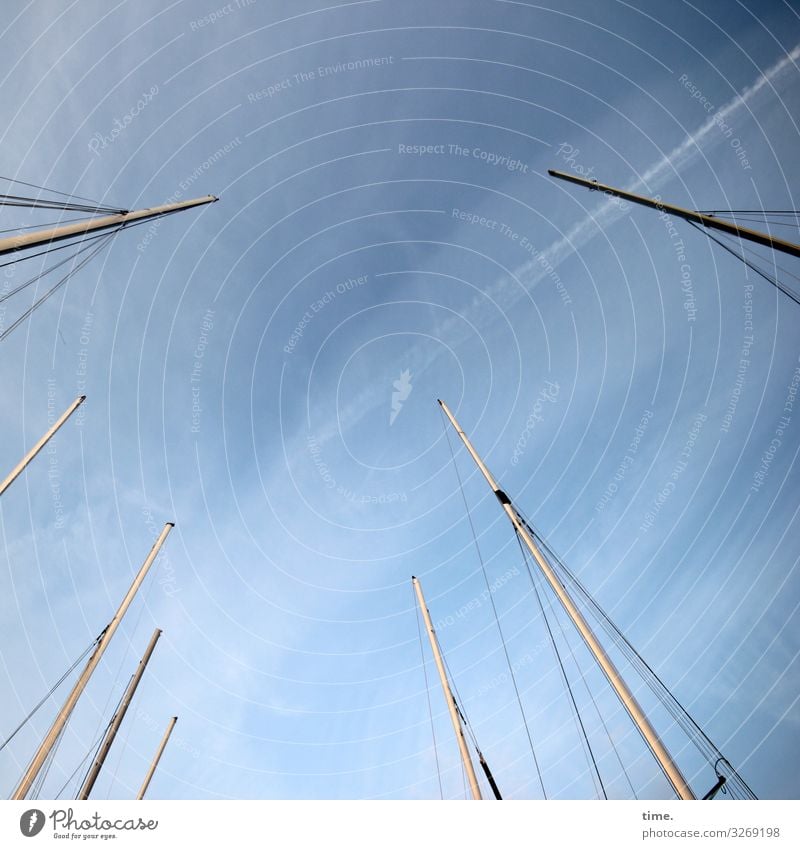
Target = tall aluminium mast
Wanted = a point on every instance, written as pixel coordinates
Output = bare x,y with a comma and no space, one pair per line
69,705
448,693
710,221
161,746
12,244
634,709
20,467
127,698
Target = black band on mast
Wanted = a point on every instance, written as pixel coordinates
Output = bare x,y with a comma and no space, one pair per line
490,777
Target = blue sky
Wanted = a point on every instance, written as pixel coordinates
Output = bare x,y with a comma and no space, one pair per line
393,215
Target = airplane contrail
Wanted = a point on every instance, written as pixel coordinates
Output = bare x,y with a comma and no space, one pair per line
505,291
655,176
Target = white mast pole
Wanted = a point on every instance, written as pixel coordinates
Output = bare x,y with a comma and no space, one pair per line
627,698
157,758
11,244
17,471
448,693
61,720
127,698
710,221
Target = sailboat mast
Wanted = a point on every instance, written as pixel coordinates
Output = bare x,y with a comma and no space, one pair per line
157,758
17,471
61,720
11,244
709,221
627,698
127,698
448,693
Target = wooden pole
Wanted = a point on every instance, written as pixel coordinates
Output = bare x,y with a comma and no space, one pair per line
448,693
105,746
710,221
157,758
11,244
61,720
627,698
17,471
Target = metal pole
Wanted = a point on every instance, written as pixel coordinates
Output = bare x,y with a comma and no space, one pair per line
61,720
157,758
105,746
40,444
627,698
448,693
709,221
11,244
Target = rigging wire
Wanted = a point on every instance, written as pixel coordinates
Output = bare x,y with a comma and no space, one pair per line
494,609
428,695
582,675
58,285
19,256
50,692
676,709
6,295
80,238
769,261
36,203
45,189
741,256
755,220
577,714
46,766
95,747
762,212
43,225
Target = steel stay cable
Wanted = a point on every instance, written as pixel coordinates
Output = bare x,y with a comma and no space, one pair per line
582,675
49,693
43,225
753,219
664,695
582,730
5,296
93,752
79,239
734,242
19,201
46,766
45,189
794,212
13,326
676,709
742,258
670,702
